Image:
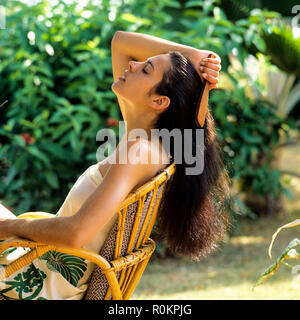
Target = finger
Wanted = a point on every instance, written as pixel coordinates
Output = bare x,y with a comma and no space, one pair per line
213,55
213,66
212,86
210,78
210,71
212,60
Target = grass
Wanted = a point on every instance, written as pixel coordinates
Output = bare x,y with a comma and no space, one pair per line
228,273
231,271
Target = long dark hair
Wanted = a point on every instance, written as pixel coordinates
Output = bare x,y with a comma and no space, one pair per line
192,217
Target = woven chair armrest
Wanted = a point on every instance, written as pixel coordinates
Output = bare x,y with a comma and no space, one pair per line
115,265
17,242
135,257
38,249
42,248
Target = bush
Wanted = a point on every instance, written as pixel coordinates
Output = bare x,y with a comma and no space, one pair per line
56,75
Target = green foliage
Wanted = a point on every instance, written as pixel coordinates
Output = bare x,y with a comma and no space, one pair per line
250,130
290,252
288,59
55,69
236,10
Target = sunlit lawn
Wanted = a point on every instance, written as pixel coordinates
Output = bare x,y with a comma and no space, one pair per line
230,272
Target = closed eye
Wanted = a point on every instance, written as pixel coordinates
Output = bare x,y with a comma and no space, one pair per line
144,71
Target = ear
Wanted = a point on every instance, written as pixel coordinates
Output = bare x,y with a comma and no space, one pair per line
160,103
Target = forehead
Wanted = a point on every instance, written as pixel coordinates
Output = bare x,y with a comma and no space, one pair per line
161,62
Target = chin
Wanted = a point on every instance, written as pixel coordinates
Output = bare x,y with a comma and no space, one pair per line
117,82
114,87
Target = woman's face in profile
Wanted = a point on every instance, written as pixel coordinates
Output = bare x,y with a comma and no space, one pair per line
140,78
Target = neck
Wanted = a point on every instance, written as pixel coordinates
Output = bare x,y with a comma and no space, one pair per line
134,123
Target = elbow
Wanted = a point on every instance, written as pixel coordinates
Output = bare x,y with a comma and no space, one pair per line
76,241
116,36
75,237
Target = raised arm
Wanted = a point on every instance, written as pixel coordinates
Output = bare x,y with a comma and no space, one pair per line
139,47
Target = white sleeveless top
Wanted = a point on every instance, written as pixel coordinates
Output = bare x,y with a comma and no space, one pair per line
55,275
79,193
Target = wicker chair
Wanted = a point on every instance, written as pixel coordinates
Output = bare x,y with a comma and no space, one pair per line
126,251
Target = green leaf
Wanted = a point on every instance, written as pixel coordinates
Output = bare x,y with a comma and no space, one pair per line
56,150
70,63
284,49
51,178
38,154
72,268
48,82
193,3
10,124
60,130
27,123
74,140
46,71
21,162
173,4
286,254
19,141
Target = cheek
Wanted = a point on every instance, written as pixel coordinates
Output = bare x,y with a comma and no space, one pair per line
138,87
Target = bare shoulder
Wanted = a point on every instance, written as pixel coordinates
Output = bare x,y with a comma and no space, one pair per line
138,161
119,180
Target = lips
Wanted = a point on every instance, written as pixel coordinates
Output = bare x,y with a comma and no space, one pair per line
122,78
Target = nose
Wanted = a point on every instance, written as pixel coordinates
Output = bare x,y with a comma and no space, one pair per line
132,65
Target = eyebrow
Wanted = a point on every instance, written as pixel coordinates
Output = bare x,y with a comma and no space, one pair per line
148,61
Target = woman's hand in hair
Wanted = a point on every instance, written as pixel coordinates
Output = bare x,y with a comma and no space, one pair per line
207,68
210,68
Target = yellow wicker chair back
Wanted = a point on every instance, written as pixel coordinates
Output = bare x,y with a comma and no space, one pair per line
129,238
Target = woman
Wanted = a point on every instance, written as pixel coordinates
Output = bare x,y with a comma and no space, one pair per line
158,84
